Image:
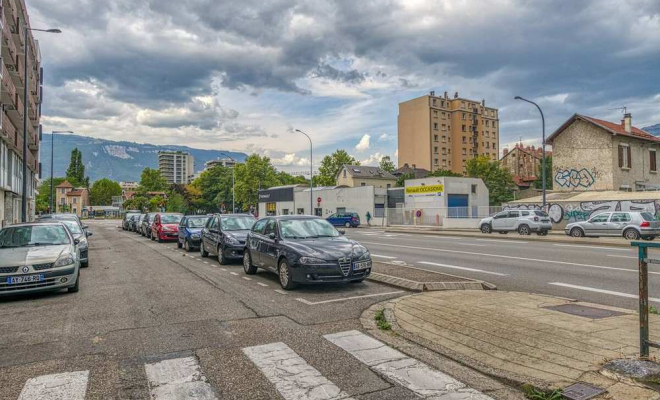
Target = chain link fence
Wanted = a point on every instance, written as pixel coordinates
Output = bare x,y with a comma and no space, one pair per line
437,216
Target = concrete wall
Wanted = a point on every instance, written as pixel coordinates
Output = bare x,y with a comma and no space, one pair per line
359,199
414,133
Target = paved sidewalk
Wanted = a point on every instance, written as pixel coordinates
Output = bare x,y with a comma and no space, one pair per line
518,338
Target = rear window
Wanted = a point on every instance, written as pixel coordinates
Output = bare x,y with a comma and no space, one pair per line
525,213
541,213
648,217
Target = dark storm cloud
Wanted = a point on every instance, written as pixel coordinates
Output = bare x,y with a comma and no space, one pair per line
330,72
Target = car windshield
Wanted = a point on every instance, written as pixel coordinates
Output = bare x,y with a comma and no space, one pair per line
73,227
237,223
129,216
170,218
541,213
197,222
34,235
307,228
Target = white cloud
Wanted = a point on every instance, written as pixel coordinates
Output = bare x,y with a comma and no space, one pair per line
364,143
385,137
373,160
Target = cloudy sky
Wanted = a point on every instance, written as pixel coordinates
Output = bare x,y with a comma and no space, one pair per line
243,75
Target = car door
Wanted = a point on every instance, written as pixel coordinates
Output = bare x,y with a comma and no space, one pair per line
512,220
206,234
333,219
254,241
499,221
269,245
182,230
618,221
597,225
214,235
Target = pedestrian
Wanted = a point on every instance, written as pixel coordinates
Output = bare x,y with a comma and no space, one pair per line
368,218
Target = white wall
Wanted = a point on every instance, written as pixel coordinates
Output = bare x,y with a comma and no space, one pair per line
359,199
451,185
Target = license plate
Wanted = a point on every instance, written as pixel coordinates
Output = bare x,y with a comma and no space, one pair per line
361,265
12,280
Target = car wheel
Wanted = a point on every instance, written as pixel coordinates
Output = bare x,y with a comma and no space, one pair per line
247,263
221,256
524,230
186,245
348,224
84,264
577,232
486,228
75,288
284,272
202,251
178,243
631,234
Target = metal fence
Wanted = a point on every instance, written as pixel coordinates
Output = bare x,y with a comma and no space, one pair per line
436,216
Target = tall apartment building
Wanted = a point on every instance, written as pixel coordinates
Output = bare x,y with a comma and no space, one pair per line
176,166
438,132
13,20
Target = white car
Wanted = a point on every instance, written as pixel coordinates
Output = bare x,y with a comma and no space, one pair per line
522,221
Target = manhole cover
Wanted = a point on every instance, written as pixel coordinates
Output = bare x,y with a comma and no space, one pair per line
584,311
582,391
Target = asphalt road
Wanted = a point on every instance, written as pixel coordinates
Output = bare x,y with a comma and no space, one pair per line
152,321
602,275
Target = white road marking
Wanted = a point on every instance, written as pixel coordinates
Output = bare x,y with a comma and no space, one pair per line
590,289
592,247
178,378
509,257
262,284
310,303
462,268
379,256
473,244
410,373
291,375
223,269
206,262
67,385
247,279
502,241
234,273
280,291
618,256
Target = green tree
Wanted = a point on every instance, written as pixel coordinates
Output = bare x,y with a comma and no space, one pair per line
444,172
330,166
257,172
138,202
75,174
175,203
156,203
152,181
498,180
102,191
213,188
288,179
43,199
401,181
386,164
538,183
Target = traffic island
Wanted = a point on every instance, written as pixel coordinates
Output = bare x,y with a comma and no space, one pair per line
524,339
417,279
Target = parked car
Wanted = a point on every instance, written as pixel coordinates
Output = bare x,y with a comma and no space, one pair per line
132,221
224,235
127,218
138,223
38,256
146,224
347,219
79,233
632,225
304,249
165,226
522,221
62,216
190,231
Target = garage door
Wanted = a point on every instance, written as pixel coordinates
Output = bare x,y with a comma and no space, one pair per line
458,205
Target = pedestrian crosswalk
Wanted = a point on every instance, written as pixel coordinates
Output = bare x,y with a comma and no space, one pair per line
293,377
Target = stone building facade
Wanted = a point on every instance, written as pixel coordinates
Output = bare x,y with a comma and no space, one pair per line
523,163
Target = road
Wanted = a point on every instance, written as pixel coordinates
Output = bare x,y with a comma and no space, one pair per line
603,275
152,321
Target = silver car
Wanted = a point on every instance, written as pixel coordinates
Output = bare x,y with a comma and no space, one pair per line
632,225
522,221
81,233
37,257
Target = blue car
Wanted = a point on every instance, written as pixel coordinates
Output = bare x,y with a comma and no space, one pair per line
347,219
190,231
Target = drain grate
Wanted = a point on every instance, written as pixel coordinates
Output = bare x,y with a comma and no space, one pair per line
582,391
584,311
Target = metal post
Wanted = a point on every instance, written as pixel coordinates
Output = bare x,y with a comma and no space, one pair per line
52,146
543,174
25,119
233,183
643,303
311,173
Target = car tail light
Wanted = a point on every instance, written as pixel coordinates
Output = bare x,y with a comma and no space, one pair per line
645,224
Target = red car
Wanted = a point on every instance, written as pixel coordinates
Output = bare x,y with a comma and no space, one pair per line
165,227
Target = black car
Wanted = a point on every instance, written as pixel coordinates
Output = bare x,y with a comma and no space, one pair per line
224,235
146,224
304,249
127,219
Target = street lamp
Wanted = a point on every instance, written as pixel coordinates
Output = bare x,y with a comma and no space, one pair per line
25,114
543,146
311,173
52,140
233,182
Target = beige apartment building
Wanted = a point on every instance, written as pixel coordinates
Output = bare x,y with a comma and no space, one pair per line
358,175
13,20
71,200
438,132
176,166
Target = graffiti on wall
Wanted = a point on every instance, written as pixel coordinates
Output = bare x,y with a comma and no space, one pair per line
573,178
582,211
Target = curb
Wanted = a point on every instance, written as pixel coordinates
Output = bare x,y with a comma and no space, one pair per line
429,286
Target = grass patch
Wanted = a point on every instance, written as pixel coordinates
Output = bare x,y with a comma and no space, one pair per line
533,393
382,323
653,310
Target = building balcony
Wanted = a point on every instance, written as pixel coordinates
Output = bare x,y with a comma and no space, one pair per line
8,131
8,88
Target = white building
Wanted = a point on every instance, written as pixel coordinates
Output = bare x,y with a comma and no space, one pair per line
176,166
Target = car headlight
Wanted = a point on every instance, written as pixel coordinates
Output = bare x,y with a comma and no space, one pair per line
365,256
195,235
229,239
311,260
66,259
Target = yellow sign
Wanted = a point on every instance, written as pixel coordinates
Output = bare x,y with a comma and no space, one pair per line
425,189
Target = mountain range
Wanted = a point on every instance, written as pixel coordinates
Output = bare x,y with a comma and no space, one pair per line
653,129
119,161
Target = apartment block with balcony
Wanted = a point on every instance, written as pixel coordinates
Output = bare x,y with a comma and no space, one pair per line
439,132
13,20
176,166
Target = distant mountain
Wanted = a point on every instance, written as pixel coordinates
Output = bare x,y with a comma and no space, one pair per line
653,129
119,161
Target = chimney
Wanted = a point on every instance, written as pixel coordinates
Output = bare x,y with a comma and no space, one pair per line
456,95
626,122
432,93
483,102
445,94
505,152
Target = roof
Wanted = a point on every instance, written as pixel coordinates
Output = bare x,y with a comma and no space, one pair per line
65,184
75,193
611,127
406,169
604,195
363,172
287,186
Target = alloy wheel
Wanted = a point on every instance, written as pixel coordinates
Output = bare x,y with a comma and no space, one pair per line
284,274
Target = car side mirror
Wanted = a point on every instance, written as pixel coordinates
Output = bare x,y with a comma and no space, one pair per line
89,234
76,241
85,226
272,236
341,232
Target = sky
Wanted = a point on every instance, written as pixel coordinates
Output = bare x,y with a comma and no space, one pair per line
245,75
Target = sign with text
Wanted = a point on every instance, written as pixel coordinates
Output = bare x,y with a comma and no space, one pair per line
427,190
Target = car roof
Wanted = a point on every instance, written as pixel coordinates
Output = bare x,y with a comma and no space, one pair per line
36,223
233,215
293,217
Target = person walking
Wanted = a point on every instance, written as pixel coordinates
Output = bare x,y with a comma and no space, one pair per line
368,218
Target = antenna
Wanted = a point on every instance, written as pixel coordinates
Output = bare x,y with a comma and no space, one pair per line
624,109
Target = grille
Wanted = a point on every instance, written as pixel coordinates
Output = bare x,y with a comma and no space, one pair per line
4,287
345,265
8,270
41,267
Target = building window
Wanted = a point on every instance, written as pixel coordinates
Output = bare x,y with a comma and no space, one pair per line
435,126
435,138
442,103
444,127
389,185
463,117
435,113
493,124
486,134
444,163
444,116
653,163
462,104
434,102
363,184
301,211
624,156
435,149
463,128
494,146
344,172
444,138
487,122
435,161
444,150
464,151
474,189
285,211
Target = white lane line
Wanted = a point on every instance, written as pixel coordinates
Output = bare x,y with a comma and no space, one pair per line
510,257
590,289
472,244
311,303
380,256
67,385
412,374
618,256
262,284
481,271
593,247
223,269
178,378
206,262
291,375
502,241
234,273
247,279
280,291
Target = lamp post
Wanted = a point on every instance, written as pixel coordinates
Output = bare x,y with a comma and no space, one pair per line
27,30
52,146
542,146
233,182
311,173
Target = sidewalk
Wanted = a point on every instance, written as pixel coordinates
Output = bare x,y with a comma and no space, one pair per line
523,338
